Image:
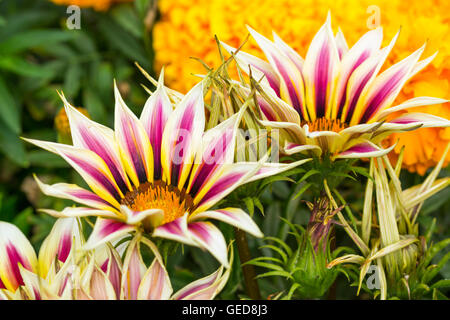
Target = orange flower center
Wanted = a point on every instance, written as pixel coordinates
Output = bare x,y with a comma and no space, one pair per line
159,195
323,124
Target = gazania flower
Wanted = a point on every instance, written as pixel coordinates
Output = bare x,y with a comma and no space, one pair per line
335,100
161,173
65,271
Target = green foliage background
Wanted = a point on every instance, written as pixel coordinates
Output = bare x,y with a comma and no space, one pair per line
39,55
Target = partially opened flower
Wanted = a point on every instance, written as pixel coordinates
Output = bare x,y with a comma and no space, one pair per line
133,280
334,100
23,275
161,173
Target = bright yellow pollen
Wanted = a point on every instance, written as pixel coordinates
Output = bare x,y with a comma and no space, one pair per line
159,196
323,124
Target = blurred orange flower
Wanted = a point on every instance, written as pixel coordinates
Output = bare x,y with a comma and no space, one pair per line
187,28
99,5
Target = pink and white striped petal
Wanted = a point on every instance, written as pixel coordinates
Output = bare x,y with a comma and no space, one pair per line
291,81
109,260
223,182
64,237
233,216
74,193
155,114
134,144
364,150
93,136
180,140
32,284
269,169
106,230
204,289
385,88
427,120
155,284
153,216
176,230
341,44
293,148
216,150
74,212
361,79
288,51
320,72
209,237
15,250
90,166
411,103
366,46
260,69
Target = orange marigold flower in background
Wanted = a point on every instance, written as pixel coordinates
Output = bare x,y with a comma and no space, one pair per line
99,5
192,24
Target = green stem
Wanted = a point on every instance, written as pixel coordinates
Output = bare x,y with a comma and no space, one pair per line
251,285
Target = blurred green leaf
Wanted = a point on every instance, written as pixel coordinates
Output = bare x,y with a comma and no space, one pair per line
23,219
12,146
23,67
8,108
126,16
33,38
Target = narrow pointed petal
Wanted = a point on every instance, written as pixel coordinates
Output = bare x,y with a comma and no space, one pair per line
155,216
427,120
133,271
90,135
364,150
288,51
32,284
291,81
109,260
135,148
411,103
209,237
223,183
154,117
341,43
74,193
233,216
100,288
204,289
64,237
320,71
107,230
155,284
90,166
15,250
271,169
293,148
180,140
75,212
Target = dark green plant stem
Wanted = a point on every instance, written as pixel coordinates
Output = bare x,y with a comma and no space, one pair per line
251,285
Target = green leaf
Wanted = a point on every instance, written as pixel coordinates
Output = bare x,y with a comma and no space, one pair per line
124,42
126,16
12,146
8,108
33,38
445,283
25,68
22,220
72,80
93,104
